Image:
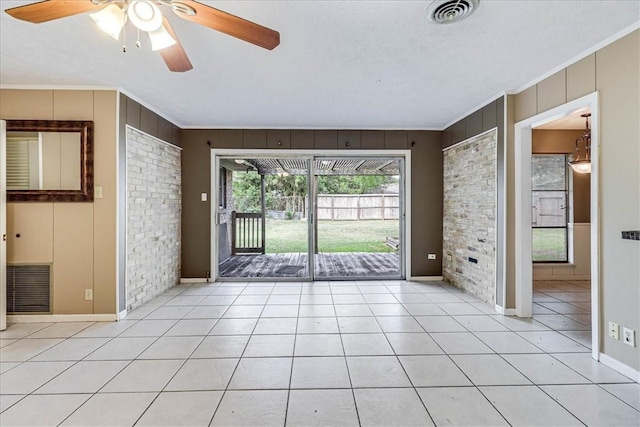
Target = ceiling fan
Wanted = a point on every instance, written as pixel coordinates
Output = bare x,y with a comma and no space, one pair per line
112,15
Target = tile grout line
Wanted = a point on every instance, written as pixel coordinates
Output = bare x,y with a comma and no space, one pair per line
395,353
242,354
293,357
186,359
344,353
115,375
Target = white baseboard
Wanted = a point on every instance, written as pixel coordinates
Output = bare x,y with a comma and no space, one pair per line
193,280
44,318
425,278
122,314
505,311
577,277
620,367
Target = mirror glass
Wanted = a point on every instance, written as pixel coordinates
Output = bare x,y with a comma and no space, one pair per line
49,160
43,160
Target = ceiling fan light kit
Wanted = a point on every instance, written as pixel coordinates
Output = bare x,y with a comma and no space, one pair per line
161,39
111,20
144,15
111,17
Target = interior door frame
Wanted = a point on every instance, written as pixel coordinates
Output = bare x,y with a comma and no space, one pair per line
523,251
3,225
405,214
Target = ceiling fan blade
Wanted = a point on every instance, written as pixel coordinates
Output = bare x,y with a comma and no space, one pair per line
49,10
174,56
231,25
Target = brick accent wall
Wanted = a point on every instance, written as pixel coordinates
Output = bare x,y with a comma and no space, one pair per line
154,204
470,216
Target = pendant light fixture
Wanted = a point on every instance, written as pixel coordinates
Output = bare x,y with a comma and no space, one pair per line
579,164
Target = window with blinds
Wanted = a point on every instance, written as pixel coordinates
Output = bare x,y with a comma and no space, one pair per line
18,175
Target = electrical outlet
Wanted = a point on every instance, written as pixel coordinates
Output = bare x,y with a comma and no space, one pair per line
88,294
431,256
629,336
614,330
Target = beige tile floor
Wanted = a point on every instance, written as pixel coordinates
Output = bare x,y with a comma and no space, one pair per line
325,353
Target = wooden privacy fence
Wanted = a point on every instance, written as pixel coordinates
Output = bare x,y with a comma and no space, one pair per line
549,208
356,207
247,233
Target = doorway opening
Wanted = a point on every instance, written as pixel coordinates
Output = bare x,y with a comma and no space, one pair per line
557,250
305,217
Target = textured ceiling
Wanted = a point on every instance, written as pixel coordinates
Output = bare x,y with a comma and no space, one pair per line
340,64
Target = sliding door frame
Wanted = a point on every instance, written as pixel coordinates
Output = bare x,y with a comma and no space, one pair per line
405,201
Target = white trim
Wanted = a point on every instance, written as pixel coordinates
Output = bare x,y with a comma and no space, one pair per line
155,138
464,141
118,207
284,153
122,314
312,227
505,180
523,264
406,203
523,256
620,367
40,318
214,204
505,311
193,280
478,107
596,47
425,278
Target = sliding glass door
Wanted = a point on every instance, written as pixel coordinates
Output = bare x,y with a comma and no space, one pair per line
358,233
310,217
262,218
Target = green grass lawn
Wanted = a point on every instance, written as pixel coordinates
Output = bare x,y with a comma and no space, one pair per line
333,236
549,244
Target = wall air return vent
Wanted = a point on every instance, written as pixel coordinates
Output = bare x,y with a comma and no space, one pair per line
28,289
450,11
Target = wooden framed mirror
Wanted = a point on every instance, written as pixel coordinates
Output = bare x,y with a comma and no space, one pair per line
49,161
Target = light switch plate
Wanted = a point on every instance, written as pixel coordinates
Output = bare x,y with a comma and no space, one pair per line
431,256
203,197
97,192
88,294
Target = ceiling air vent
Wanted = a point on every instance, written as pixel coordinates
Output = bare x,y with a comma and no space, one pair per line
450,11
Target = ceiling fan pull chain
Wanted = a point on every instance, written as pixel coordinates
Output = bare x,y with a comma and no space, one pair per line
138,39
124,39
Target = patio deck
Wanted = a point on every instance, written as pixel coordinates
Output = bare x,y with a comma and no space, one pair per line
328,265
